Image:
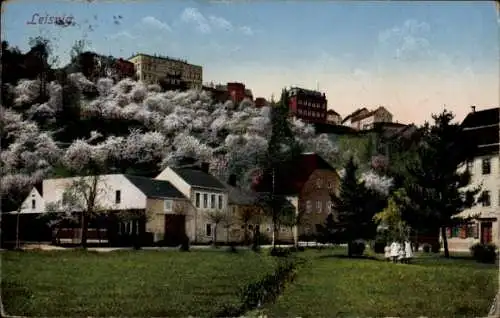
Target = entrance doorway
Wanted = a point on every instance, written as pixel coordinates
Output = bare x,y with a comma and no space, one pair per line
486,232
175,229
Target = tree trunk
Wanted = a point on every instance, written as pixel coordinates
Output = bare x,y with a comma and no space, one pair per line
245,234
349,248
214,243
445,242
17,229
85,229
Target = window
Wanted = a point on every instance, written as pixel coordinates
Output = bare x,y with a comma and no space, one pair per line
212,201
220,202
197,203
208,230
234,210
330,185
118,196
329,206
319,206
469,166
168,205
205,200
485,198
486,166
33,204
455,231
308,206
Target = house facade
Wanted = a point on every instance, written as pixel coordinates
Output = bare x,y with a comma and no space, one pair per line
123,199
309,190
206,194
482,127
333,118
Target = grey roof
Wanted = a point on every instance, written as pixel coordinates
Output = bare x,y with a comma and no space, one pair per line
239,196
198,178
153,188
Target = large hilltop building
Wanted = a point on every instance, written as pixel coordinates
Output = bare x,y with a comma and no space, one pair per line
308,105
155,68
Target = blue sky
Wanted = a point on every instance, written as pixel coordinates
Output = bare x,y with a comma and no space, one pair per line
412,57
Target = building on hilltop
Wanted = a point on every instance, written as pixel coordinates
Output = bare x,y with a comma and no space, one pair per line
333,118
155,68
261,102
363,119
481,126
234,91
95,66
308,105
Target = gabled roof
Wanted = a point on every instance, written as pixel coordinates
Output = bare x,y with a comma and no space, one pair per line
331,111
479,118
291,183
199,178
354,114
482,127
153,188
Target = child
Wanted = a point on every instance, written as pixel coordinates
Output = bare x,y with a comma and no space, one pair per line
401,253
387,253
394,251
408,251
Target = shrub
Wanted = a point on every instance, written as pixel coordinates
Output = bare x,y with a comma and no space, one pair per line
483,253
279,252
435,247
185,244
270,286
358,248
232,248
378,246
426,247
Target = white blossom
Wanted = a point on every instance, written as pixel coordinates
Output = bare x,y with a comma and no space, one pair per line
26,91
374,181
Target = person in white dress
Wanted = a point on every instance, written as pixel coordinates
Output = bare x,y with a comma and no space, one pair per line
387,253
401,253
395,246
408,251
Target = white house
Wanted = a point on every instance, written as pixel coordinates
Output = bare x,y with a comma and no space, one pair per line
483,127
206,193
119,192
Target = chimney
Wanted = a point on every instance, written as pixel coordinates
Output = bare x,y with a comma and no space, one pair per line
232,180
473,109
204,167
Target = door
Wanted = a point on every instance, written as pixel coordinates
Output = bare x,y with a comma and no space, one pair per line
486,232
175,229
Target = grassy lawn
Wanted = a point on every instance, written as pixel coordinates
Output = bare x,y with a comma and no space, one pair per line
127,283
333,286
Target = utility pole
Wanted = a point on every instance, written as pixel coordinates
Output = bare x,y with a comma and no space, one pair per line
272,211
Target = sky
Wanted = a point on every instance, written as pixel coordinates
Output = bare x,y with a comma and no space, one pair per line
414,58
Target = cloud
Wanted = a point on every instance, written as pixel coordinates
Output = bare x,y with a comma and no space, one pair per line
220,22
193,15
406,42
208,24
122,34
246,30
155,23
